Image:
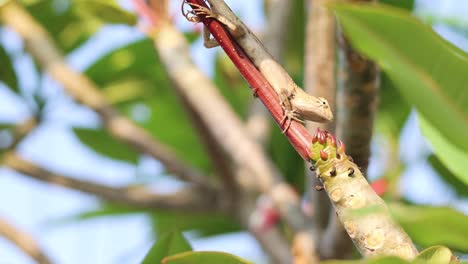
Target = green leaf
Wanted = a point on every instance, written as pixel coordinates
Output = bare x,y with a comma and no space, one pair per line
105,11
103,143
231,84
429,72
159,110
205,257
447,176
435,255
205,224
7,72
67,28
429,226
451,155
405,4
167,244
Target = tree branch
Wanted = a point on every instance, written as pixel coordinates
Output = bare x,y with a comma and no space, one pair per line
319,80
189,198
358,82
23,241
41,47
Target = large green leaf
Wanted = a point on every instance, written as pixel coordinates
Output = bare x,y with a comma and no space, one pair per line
454,157
406,4
435,255
429,72
168,244
103,143
7,72
429,226
157,109
205,257
447,176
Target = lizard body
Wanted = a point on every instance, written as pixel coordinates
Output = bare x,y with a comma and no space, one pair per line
295,101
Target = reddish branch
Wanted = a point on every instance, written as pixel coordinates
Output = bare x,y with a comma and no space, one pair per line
296,134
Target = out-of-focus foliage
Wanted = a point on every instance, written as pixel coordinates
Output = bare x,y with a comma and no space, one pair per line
7,72
428,72
167,244
432,255
429,226
104,144
205,257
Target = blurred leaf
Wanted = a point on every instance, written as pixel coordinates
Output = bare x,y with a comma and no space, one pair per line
64,25
106,11
206,224
379,260
7,72
435,255
393,110
126,90
167,244
159,110
405,4
429,226
429,72
295,41
451,155
205,257
287,160
459,186
103,143
231,84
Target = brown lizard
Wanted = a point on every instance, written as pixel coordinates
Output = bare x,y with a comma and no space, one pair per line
295,101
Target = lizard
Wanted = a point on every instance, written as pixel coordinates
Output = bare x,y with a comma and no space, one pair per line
296,103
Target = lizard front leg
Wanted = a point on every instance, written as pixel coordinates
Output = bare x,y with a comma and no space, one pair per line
290,112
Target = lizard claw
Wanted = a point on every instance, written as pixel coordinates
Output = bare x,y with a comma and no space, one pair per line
289,116
198,10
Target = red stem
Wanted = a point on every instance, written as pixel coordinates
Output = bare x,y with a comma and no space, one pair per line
297,134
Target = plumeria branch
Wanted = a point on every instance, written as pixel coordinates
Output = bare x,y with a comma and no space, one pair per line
23,241
186,199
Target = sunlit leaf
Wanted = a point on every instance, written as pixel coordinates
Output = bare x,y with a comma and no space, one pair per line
167,244
429,226
429,72
406,4
435,255
205,257
451,155
448,177
7,72
103,143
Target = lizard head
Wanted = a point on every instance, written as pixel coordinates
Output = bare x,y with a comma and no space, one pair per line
324,109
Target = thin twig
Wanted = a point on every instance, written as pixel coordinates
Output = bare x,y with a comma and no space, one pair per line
23,241
41,47
186,199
